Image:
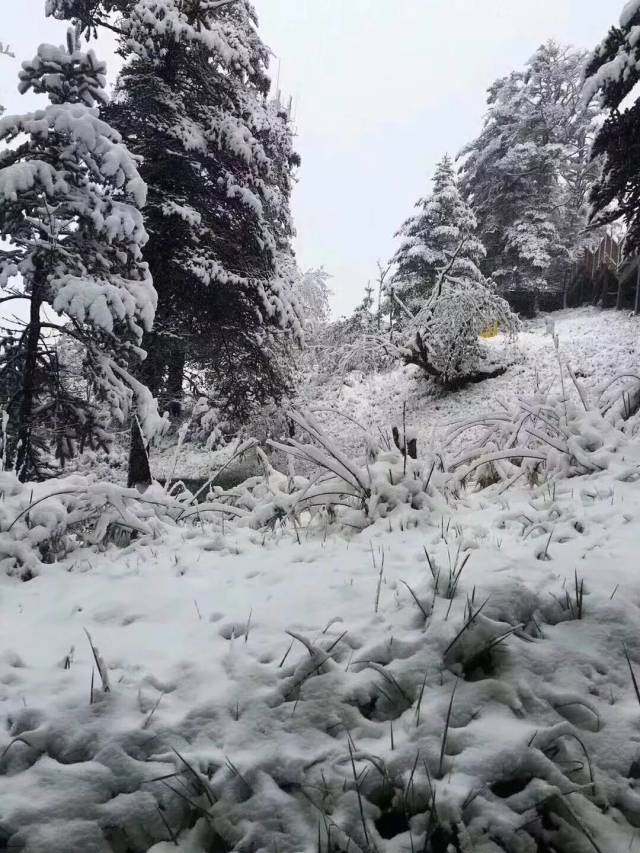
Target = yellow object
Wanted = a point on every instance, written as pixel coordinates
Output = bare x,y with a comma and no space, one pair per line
490,331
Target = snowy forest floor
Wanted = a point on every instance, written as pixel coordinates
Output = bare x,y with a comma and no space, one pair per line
270,694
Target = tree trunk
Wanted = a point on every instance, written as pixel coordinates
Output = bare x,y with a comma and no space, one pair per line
25,459
150,373
139,470
153,367
175,376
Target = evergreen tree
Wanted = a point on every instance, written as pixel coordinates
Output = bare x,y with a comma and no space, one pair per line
218,159
442,231
613,72
529,173
90,14
446,302
70,195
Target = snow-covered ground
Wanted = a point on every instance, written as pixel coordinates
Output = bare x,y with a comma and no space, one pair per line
290,691
597,344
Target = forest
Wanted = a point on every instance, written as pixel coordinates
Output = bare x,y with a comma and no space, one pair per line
274,580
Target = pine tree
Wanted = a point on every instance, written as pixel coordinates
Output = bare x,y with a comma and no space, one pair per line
70,199
218,160
613,72
529,173
442,231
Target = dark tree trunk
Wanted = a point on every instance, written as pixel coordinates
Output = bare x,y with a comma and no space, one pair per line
26,463
153,367
151,373
139,470
175,377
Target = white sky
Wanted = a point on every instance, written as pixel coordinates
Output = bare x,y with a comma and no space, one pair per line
383,88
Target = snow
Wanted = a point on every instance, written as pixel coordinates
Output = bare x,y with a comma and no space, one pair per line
165,20
101,303
621,65
251,669
22,177
73,75
184,211
376,400
630,9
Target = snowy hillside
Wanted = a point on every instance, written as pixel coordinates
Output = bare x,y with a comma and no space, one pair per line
452,678
597,344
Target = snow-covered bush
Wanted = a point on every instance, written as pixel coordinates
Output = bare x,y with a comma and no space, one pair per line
201,423
444,337
559,430
111,465
446,333
353,495
41,522
359,342
619,401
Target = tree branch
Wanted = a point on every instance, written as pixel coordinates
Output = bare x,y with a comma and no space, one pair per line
14,296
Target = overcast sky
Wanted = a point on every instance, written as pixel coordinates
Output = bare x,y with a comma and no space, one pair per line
383,88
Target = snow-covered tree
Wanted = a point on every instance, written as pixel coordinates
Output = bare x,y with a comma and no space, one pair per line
70,199
613,72
90,14
192,101
444,228
313,293
444,336
529,173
